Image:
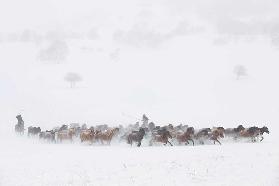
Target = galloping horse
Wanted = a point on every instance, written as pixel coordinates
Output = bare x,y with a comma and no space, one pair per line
136,136
87,135
217,133
162,136
19,127
254,132
186,136
33,131
48,135
65,135
262,131
107,135
234,132
202,135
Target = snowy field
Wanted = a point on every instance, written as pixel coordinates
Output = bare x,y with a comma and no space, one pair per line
198,63
29,162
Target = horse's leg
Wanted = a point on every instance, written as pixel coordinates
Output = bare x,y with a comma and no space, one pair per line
218,141
130,141
169,143
201,142
262,138
139,143
192,141
259,138
151,142
214,142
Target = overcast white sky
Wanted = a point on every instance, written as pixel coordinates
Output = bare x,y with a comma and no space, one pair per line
172,60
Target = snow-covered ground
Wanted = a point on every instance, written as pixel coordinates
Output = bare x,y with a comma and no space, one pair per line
30,162
172,60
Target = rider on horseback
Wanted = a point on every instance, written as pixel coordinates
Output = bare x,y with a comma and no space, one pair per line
144,121
20,124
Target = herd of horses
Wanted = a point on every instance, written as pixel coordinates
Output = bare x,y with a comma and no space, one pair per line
135,133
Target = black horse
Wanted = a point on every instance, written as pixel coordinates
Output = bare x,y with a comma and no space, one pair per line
19,127
262,131
48,135
234,132
33,131
202,135
162,135
136,136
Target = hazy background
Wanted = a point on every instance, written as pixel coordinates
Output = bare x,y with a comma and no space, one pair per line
173,60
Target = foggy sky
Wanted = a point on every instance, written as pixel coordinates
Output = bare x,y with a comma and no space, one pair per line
172,60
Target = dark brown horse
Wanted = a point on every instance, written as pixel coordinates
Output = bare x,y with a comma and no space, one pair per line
216,134
254,132
251,132
202,135
186,136
161,136
136,136
234,132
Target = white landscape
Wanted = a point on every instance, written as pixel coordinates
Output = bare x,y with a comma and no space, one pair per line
196,63
30,162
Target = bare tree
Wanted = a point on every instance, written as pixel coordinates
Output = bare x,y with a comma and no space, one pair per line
72,78
240,70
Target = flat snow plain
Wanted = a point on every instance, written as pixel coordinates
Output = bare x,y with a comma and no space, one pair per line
29,162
